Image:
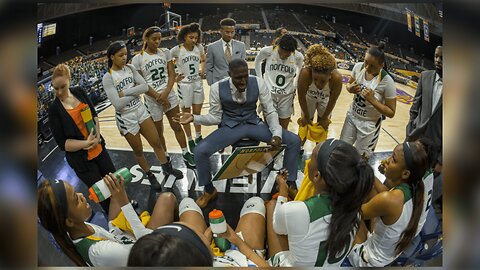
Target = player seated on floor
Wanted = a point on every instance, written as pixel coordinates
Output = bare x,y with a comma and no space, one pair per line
398,206
192,239
63,212
320,230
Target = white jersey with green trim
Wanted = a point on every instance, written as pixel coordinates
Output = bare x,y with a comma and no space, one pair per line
427,199
380,245
307,226
188,62
383,86
124,79
154,68
280,74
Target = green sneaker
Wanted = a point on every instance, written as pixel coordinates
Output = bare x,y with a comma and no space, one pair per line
197,140
191,145
189,160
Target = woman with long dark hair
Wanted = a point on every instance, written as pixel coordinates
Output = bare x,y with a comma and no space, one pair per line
63,212
397,207
123,86
375,97
190,59
320,231
156,66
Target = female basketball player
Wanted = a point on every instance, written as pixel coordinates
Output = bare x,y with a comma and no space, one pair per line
397,207
319,85
156,66
320,231
190,61
84,149
63,212
375,98
123,86
191,238
283,62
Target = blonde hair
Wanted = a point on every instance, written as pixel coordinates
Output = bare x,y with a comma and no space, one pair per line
61,70
320,59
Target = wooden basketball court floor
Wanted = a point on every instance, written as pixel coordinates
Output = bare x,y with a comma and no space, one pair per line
393,129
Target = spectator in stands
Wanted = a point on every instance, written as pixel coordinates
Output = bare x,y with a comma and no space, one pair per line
222,51
84,149
190,61
375,98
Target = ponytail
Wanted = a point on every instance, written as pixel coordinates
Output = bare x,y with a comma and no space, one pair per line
52,218
418,163
350,179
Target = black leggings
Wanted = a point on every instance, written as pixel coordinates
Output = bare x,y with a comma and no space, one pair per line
97,168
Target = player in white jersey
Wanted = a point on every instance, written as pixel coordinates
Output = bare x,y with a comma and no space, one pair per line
190,62
156,66
319,85
374,98
192,238
283,62
397,207
320,231
123,86
63,212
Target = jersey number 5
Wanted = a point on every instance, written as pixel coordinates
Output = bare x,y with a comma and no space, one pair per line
192,69
158,74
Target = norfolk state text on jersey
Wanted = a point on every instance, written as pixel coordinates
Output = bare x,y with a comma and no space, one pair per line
239,185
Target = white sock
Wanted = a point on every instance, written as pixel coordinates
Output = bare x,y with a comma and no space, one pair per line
184,151
198,134
189,138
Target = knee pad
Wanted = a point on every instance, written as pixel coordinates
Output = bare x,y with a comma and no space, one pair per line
253,205
188,204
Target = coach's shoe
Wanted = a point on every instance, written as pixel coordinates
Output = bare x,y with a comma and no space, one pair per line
169,170
206,197
197,140
189,160
191,146
153,182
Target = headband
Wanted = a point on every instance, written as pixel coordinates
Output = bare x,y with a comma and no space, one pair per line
152,30
183,232
408,156
58,189
324,153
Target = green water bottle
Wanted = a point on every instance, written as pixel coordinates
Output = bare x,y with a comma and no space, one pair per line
99,191
218,226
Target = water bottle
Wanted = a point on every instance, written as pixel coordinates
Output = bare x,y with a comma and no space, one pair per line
218,226
99,191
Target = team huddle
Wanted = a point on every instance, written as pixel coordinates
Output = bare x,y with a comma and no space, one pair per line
351,214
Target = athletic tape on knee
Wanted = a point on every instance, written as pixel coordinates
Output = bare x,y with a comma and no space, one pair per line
188,204
253,205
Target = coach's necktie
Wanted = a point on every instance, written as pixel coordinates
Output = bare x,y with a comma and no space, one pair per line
228,53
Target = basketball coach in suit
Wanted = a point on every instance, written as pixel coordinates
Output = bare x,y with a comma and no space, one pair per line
426,111
222,51
426,115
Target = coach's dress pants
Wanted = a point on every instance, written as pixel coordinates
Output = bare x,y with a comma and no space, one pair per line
226,136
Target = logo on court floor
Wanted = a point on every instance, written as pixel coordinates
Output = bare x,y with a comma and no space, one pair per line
404,97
